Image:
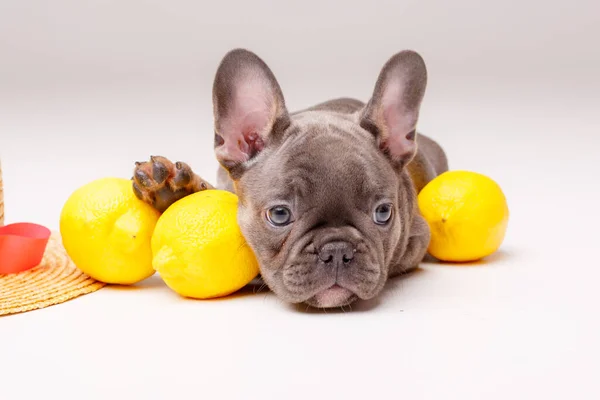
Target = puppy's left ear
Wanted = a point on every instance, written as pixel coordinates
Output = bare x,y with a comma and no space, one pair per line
392,113
249,109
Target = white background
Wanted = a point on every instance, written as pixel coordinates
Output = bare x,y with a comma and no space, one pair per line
87,88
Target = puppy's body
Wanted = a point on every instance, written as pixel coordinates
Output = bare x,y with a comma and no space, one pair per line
327,194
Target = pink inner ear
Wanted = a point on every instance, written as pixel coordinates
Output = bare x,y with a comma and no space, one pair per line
244,128
398,121
399,141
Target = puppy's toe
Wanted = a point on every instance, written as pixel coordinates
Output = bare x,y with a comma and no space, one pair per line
183,175
160,169
142,194
142,175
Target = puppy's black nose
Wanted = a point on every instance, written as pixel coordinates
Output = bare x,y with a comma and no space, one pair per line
336,253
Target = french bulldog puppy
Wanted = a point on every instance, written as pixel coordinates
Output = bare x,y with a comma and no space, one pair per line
327,195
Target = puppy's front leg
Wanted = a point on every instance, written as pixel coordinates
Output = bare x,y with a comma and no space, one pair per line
160,182
416,248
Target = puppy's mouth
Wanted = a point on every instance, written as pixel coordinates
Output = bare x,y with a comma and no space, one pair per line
332,297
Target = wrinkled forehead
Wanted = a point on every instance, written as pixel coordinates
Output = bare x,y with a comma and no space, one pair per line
334,158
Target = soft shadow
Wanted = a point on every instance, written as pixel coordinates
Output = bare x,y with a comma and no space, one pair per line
394,284
152,282
256,286
356,307
498,256
306,309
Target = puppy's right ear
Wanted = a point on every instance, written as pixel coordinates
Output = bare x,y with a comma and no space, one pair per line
393,111
249,109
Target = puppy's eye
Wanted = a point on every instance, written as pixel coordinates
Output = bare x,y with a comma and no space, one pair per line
382,214
279,215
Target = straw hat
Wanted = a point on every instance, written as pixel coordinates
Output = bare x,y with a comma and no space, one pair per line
1,199
55,280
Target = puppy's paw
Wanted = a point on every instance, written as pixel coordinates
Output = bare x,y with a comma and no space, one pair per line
160,182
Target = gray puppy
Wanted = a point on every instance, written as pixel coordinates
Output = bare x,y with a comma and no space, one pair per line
327,194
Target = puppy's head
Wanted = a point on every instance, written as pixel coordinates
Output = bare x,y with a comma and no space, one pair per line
321,199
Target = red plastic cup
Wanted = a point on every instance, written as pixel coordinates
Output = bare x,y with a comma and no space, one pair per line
22,246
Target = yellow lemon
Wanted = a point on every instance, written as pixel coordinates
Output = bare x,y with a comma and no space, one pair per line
198,247
106,231
467,213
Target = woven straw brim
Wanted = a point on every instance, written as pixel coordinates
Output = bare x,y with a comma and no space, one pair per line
1,199
54,281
